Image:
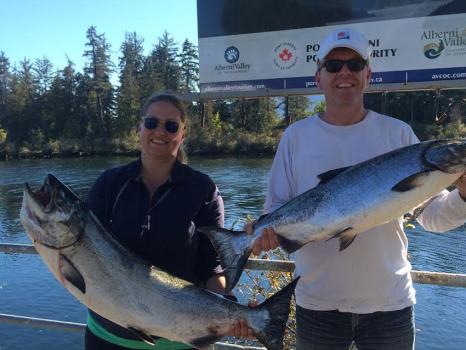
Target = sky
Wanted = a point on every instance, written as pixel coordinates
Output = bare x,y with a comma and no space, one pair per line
55,28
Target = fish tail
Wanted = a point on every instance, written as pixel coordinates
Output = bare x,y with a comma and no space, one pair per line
447,155
272,332
233,250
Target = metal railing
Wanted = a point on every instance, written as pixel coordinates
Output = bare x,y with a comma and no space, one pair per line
422,277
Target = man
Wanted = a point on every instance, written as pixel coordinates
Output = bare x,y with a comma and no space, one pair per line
364,293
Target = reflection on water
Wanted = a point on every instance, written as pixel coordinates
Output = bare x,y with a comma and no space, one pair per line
28,288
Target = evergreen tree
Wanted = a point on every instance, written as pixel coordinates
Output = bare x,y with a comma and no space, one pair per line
23,108
99,69
298,107
43,69
61,105
256,115
189,67
4,82
164,59
150,81
130,92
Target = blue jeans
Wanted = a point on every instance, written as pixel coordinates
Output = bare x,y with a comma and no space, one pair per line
334,330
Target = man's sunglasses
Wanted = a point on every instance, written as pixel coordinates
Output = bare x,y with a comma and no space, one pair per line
171,126
334,66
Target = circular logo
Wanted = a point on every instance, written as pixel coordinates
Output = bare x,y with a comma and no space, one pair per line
285,55
231,54
433,50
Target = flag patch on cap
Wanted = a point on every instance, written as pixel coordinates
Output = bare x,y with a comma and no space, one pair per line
342,35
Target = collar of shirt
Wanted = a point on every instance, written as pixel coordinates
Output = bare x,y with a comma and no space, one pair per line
178,174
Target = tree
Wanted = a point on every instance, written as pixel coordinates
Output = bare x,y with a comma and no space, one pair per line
164,60
4,82
44,75
256,115
23,98
99,69
294,108
61,108
130,92
189,67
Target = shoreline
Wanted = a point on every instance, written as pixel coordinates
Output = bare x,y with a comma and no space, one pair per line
5,156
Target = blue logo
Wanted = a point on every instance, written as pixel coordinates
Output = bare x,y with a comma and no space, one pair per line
432,51
231,54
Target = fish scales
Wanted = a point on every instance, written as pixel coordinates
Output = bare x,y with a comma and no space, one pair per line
122,287
352,200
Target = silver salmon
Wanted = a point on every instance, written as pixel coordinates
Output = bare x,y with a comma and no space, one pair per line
349,201
115,283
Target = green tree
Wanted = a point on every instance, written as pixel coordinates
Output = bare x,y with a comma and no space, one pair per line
189,67
22,108
43,69
4,83
298,107
61,107
293,108
164,58
130,91
99,68
256,115
319,107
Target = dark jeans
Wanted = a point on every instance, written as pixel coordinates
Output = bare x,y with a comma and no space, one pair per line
334,330
95,343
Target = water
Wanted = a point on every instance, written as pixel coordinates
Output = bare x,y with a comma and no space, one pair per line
27,287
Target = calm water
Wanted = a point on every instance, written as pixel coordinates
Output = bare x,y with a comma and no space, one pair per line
27,288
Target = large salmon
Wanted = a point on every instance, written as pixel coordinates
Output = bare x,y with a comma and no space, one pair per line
115,283
349,201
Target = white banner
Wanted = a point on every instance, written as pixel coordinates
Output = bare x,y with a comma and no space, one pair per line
404,51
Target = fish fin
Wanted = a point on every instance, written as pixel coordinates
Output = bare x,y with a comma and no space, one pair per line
345,239
233,250
410,182
289,245
205,342
71,274
328,175
278,308
146,338
446,155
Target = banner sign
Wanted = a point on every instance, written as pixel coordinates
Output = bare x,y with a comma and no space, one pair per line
428,48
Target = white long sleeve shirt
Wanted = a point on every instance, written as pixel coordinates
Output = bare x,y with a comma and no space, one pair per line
373,273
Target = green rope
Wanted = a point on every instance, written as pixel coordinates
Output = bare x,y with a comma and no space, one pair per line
160,343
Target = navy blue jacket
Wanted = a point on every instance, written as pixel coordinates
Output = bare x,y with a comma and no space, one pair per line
189,199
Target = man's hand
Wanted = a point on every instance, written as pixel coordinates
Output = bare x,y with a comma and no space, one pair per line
268,239
461,185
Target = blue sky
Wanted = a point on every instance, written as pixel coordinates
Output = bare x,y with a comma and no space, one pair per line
56,28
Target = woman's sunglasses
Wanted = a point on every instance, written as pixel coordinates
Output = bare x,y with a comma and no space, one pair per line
334,66
171,126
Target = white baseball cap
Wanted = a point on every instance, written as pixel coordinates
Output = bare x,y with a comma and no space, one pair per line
348,38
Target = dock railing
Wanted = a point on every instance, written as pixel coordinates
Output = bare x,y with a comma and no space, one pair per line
422,277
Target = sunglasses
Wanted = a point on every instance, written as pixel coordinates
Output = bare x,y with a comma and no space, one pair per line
334,66
170,126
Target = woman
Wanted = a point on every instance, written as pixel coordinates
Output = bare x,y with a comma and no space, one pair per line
153,205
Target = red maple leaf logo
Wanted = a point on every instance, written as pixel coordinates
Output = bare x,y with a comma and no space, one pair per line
285,55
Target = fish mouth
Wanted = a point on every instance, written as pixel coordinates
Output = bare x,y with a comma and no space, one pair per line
42,197
47,214
50,195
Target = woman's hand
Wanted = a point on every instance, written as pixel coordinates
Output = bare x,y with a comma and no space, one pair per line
241,329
